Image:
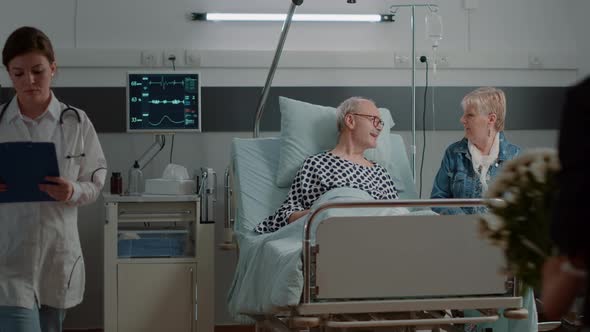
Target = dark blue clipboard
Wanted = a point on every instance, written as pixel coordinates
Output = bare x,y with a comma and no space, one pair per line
23,167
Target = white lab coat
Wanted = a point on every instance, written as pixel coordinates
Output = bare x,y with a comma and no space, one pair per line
40,255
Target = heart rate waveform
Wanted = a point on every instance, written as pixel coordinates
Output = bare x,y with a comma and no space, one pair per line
164,101
163,83
188,83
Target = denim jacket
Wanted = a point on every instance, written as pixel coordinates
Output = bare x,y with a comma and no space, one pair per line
456,177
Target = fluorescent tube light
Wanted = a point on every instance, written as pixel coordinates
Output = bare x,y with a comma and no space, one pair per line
245,17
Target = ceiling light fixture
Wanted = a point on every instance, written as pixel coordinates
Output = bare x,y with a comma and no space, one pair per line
251,17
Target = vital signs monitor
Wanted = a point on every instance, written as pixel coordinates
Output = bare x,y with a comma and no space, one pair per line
164,101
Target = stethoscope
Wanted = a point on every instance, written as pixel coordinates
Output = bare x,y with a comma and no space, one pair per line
61,115
67,108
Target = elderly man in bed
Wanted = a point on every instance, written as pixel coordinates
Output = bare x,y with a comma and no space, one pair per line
359,125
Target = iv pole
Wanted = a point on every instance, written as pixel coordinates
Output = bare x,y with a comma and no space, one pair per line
273,66
413,57
279,50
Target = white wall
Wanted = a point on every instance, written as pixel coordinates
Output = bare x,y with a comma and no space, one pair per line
109,36
579,17
98,41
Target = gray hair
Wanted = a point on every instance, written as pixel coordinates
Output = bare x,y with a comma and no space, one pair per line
488,100
350,105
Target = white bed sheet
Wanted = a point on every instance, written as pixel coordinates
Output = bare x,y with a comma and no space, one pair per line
269,271
269,275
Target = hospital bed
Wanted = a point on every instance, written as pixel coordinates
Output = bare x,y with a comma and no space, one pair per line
343,271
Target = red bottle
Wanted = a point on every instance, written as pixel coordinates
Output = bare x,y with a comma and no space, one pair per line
116,183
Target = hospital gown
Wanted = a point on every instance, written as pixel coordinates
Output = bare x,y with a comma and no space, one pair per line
321,173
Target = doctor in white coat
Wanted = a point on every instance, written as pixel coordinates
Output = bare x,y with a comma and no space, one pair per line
41,263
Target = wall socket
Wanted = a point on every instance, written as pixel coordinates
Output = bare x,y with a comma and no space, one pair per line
442,61
401,60
192,58
162,58
176,54
150,58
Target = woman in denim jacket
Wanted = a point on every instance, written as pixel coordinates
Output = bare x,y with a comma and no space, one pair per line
469,165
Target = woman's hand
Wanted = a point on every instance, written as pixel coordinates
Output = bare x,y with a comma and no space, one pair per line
3,187
61,189
296,215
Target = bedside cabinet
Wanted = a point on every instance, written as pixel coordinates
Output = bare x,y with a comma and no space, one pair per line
158,265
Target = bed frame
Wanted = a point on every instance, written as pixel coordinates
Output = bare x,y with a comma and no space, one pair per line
402,277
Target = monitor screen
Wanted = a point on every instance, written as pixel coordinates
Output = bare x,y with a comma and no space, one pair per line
165,101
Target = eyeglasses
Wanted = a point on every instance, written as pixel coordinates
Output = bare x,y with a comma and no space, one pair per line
377,122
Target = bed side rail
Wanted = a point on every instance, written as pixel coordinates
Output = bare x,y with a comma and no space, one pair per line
431,320
309,253
228,220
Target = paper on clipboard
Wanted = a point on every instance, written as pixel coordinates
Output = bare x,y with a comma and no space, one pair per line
23,167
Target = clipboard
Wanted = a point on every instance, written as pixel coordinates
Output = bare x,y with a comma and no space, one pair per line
23,167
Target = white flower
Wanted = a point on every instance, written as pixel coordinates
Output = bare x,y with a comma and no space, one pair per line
511,196
539,169
493,222
518,196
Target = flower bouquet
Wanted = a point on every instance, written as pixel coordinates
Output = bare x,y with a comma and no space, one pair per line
520,205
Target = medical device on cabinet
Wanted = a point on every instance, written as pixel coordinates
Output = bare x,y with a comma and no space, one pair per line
164,102
159,253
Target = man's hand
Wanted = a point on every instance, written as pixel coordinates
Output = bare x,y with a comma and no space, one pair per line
61,189
296,215
3,187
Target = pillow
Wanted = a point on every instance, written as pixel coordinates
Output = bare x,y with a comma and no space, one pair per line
307,129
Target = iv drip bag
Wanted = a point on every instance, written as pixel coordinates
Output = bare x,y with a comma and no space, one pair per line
434,27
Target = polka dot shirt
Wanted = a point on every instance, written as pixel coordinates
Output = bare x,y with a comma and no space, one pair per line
323,172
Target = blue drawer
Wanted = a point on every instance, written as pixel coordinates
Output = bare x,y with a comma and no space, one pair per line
152,244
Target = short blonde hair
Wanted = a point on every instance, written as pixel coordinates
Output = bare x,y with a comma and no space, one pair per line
488,100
